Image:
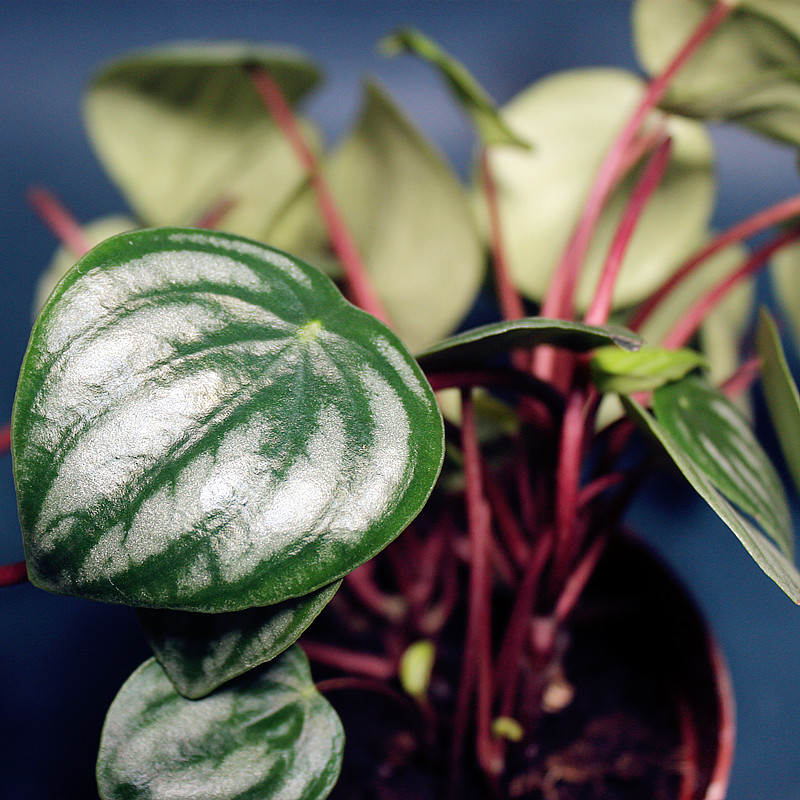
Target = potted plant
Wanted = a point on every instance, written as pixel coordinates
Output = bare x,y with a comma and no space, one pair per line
206,430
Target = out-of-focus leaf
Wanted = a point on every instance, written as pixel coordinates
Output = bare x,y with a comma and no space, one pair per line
772,561
623,372
499,338
720,443
491,127
181,128
780,390
573,117
747,71
411,221
200,652
267,736
203,423
785,274
64,258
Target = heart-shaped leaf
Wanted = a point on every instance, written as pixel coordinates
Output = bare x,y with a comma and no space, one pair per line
716,437
772,561
267,736
411,221
180,128
205,424
780,391
499,338
573,118
747,71
200,652
491,127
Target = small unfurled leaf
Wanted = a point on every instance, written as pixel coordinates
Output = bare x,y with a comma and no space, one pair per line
268,736
411,220
624,372
748,71
491,127
203,423
200,652
718,439
416,665
64,258
780,391
772,561
499,338
573,118
180,128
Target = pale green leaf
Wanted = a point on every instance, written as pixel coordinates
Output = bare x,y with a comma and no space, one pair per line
573,117
623,372
180,128
267,736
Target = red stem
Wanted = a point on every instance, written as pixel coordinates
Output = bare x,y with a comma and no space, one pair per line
361,288
649,181
360,582
767,218
12,574
364,664
215,214
688,324
56,217
5,438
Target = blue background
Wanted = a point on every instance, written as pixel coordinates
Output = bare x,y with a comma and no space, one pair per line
61,659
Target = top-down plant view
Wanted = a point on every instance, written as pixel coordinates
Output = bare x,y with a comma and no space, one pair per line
363,441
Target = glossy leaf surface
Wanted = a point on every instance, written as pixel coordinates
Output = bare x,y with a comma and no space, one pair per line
267,736
411,221
714,434
180,129
747,71
573,117
772,561
499,338
205,424
200,652
780,391
491,127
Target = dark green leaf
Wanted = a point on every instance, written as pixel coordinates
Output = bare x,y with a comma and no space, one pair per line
624,372
491,127
200,652
716,437
499,338
747,71
267,736
573,118
771,560
203,423
411,220
180,128
780,390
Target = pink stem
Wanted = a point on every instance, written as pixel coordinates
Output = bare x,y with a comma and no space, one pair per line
742,379
693,318
65,227
342,241
12,574
215,214
360,582
5,438
365,664
774,215
649,181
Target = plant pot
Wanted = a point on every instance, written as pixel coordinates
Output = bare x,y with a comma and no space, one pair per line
638,705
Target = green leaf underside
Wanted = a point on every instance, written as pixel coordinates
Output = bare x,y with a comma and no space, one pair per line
181,128
490,126
200,652
771,560
624,372
205,424
780,391
748,71
715,436
411,220
267,736
573,117
499,338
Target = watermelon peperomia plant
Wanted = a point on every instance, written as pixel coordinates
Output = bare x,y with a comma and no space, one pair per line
205,429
